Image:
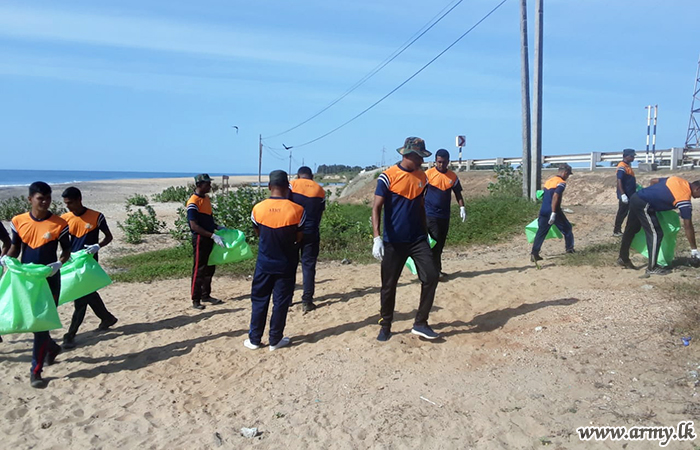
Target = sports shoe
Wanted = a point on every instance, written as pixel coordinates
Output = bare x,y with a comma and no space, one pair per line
617,233
282,343
424,331
534,257
37,382
570,250
625,264
50,358
68,342
250,345
308,306
105,324
212,300
658,270
384,334
197,305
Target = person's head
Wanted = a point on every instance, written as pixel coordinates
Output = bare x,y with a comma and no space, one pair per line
40,196
305,172
695,188
413,152
442,160
628,155
279,183
73,199
202,183
564,171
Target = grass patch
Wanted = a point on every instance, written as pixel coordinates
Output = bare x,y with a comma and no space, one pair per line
598,255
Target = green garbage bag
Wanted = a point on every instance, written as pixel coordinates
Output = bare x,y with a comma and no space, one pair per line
531,231
539,194
80,276
26,302
411,264
236,248
670,224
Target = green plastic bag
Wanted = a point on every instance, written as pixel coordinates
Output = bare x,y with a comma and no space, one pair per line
411,264
670,224
539,194
236,248
26,302
80,276
531,231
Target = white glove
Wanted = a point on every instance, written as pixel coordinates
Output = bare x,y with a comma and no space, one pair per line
2,261
378,248
624,198
552,217
92,249
463,213
217,240
55,267
694,253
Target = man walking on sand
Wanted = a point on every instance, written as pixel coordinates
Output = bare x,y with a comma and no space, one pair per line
626,187
311,196
552,214
664,194
201,221
399,192
442,182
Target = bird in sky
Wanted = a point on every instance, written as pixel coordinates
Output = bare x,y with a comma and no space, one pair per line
286,148
233,126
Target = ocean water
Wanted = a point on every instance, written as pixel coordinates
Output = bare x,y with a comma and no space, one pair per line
27,177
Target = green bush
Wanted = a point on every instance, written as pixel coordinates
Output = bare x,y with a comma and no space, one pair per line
232,209
177,194
509,181
346,232
19,205
137,224
137,200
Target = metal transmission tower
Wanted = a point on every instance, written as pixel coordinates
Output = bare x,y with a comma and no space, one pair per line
692,140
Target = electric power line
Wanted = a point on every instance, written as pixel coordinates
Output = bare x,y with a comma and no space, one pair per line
405,81
403,47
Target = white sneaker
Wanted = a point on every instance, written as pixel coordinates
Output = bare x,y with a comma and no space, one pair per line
282,343
250,345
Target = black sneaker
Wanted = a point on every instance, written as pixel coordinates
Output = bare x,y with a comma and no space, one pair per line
384,334
68,342
308,306
197,305
570,250
625,264
105,324
51,356
212,300
37,382
534,257
424,331
658,270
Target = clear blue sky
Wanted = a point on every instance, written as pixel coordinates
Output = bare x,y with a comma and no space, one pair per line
157,85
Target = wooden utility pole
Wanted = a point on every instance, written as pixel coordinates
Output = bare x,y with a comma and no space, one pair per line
536,162
525,89
260,166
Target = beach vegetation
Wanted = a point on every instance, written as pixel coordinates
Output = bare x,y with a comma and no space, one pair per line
138,223
14,206
509,181
232,209
137,200
175,194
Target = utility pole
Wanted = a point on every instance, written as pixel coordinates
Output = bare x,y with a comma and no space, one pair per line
536,161
383,152
260,166
525,89
289,149
692,139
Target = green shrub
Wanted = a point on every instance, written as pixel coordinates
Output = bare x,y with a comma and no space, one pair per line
181,229
137,200
232,209
19,205
137,224
178,194
346,232
509,181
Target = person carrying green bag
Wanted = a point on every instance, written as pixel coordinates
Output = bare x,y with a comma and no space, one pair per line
84,227
36,235
5,240
235,248
551,213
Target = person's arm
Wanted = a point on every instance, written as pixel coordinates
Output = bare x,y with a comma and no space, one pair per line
16,244
690,232
106,231
620,189
377,215
64,242
5,241
194,226
423,218
556,200
460,199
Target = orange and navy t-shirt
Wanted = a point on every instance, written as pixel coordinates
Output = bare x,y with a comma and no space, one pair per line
629,182
403,203
39,239
439,192
556,184
199,210
278,220
312,197
669,193
85,228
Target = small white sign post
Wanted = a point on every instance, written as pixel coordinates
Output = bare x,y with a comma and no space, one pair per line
461,141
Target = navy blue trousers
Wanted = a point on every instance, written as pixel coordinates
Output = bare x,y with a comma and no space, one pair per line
309,255
561,222
95,302
281,288
43,343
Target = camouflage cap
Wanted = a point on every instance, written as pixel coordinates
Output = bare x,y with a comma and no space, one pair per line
414,145
202,177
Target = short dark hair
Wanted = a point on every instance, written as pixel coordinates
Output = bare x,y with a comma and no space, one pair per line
72,193
39,187
305,170
442,153
695,184
278,178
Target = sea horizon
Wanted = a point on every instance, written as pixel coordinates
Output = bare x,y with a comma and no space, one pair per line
21,177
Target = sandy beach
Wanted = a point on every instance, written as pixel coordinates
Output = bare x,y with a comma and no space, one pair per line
527,355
